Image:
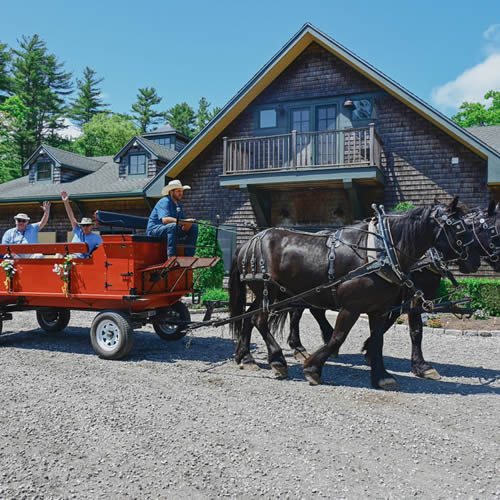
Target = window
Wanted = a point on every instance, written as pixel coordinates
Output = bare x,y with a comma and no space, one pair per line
268,118
362,109
44,171
300,120
137,164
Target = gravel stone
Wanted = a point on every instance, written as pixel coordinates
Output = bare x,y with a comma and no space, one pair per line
171,421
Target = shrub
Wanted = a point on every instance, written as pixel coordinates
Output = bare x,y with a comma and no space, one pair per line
215,294
485,293
404,206
210,277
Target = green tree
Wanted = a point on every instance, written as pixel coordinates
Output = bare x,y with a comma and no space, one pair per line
13,115
208,246
182,117
204,114
144,114
5,79
476,114
41,83
88,102
105,134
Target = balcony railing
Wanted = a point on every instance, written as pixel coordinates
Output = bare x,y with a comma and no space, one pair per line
354,147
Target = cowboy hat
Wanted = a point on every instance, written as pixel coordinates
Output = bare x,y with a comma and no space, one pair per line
173,185
21,217
86,221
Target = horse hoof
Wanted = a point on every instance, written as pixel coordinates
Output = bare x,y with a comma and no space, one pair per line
431,374
279,370
313,378
388,384
253,367
301,355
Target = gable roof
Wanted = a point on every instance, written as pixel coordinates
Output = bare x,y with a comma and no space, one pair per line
489,135
157,150
277,64
66,159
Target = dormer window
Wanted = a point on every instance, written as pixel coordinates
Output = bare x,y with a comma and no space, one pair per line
137,164
44,171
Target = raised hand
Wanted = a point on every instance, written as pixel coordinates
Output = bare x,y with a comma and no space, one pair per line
46,206
64,196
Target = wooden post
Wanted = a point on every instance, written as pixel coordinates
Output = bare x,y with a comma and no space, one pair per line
294,148
372,144
224,160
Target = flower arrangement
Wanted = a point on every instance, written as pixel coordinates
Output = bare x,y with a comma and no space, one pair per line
10,270
63,271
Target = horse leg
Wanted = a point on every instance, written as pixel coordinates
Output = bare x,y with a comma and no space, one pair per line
314,364
380,378
326,329
274,353
242,354
418,364
390,320
299,351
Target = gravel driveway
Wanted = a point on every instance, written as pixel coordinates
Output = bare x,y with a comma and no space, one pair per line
178,420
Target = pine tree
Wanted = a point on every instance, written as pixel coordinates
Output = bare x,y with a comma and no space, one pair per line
142,111
88,102
5,80
41,83
182,118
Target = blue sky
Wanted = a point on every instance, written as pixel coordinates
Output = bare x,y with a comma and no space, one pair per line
443,51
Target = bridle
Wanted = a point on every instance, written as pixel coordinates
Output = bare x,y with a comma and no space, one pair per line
492,249
445,223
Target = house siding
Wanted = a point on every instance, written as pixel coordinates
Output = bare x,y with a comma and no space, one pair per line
416,157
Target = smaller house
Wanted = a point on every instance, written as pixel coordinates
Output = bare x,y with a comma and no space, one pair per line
113,183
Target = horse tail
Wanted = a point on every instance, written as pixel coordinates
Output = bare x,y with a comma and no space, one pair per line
277,321
237,297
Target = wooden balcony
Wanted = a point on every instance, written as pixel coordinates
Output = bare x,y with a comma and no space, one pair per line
337,150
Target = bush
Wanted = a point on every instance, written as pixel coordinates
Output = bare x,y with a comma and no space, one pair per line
215,294
404,206
210,277
485,293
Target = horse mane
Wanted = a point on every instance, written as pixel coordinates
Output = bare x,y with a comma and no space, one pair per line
409,226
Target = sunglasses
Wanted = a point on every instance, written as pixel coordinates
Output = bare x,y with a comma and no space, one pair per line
22,221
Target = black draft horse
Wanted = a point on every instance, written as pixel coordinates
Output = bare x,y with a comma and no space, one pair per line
425,280
299,262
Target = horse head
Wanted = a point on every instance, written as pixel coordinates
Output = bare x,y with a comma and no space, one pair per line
453,238
485,225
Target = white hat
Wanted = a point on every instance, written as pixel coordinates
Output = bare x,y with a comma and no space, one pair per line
21,216
173,185
86,221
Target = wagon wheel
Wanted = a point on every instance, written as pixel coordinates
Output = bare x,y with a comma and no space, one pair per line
53,320
165,323
112,335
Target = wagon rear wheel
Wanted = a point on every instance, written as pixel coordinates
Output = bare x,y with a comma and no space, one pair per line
53,320
167,322
112,335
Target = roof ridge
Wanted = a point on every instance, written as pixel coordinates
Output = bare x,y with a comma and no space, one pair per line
71,153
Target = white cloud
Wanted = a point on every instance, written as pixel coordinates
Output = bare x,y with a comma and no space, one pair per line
474,82
70,132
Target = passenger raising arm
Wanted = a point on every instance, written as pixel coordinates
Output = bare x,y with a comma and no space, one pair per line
82,230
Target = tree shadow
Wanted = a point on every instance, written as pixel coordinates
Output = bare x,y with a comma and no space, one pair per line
147,345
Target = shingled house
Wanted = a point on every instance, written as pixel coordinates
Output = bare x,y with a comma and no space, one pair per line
316,136
106,183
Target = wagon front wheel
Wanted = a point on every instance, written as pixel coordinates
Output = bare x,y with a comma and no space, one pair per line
169,323
53,320
112,335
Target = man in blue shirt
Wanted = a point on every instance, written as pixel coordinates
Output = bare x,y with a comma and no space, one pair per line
163,218
82,231
24,232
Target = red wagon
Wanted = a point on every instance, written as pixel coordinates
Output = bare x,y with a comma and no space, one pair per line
127,279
